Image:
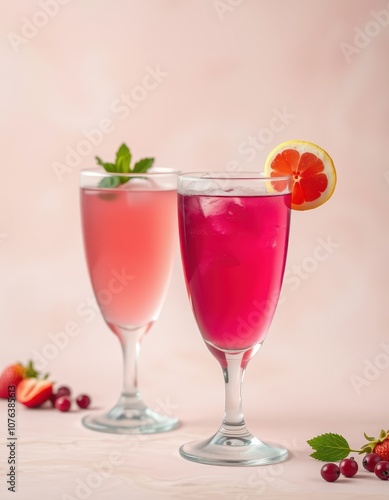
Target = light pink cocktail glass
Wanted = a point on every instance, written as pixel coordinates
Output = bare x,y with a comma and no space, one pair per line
234,233
129,238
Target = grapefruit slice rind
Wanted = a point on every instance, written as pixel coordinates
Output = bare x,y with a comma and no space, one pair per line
312,170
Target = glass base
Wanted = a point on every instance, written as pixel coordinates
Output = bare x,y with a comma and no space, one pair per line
239,451
122,420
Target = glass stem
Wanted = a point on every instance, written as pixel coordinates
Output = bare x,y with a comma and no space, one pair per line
233,422
130,341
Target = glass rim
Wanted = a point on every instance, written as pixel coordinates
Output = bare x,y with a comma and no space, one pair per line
155,172
223,176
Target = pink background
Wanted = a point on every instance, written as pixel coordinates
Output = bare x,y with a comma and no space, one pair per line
225,70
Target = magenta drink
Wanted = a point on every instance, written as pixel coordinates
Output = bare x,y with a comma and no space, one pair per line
234,231
233,252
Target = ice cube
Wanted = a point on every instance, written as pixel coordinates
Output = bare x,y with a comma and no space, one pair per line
212,206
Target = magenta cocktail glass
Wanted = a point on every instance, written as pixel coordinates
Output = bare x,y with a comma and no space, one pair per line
234,231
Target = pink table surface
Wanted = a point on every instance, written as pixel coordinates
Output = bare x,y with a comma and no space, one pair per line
58,458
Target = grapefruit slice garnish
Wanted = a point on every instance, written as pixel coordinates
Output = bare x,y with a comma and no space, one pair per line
312,170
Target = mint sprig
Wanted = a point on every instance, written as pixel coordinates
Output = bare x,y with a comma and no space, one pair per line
122,165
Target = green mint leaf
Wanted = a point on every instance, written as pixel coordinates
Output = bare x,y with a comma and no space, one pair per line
122,165
143,165
123,160
123,150
111,182
109,167
329,447
99,161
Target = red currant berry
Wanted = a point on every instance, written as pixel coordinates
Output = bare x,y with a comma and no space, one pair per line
348,467
62,403
330,472
63,390
83,401
370,461
381,470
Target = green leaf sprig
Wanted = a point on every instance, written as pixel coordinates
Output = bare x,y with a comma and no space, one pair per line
332,447
31,372
122,165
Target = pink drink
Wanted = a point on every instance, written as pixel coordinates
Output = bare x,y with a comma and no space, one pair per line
233,252
129,238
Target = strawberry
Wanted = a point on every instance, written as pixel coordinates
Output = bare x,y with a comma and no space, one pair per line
11,375
379,446
382,449
33,392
